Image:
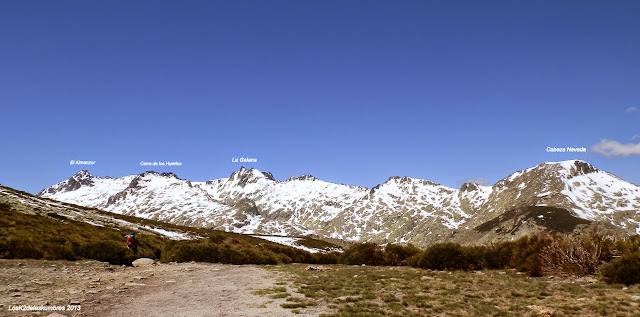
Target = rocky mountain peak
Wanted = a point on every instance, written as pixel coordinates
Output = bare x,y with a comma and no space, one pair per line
570,168
548,171
405,180
301,178
154,173
396,180
78,180
82,175
582,168
245,176
82,178
268,175
468,187
169,174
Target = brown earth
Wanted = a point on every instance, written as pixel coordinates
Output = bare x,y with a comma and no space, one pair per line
174,289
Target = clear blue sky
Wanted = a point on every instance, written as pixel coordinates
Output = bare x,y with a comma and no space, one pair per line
351,92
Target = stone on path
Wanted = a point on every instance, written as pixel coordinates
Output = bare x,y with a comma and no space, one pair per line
143,262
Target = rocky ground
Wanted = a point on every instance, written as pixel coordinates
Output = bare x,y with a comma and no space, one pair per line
91,288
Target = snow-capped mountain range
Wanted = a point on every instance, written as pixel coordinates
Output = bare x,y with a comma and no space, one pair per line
402,209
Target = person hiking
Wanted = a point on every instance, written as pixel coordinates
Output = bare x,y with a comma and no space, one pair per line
132,242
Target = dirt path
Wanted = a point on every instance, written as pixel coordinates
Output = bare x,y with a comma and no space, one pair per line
100,289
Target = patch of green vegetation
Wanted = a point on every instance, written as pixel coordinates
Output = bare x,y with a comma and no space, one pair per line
406,291
293,305
623,270
273,290
40,237
373,254
296,302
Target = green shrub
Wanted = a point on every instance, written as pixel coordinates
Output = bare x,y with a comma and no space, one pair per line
526,253
217,238
283,258
107,251
397,255
58,252
232,251
630,244
475,257
363,253
443,256
326,258
498,256
19,248
623,270
452,256
193,251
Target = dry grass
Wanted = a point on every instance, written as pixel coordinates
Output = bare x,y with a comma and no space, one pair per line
405,291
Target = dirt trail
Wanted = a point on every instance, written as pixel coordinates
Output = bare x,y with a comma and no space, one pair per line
100,289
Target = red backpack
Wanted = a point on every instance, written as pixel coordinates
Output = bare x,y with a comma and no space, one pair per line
131,242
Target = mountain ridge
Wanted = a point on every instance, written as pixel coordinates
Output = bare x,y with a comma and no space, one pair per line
401,210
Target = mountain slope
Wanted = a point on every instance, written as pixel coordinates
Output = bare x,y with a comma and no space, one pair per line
30,218
402,209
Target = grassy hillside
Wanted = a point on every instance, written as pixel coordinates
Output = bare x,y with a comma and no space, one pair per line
55,236
58,237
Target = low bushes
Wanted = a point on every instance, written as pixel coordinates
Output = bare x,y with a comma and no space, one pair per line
17,248
452,256
576,256
537,254
107,251
397,255
540,254
205,251
498,255
373,254
443,256
363,253
525,254
623,270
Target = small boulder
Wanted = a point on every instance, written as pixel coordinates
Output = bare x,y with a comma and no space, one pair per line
143,262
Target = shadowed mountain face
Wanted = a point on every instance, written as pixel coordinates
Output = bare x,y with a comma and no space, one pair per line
556,219
523,221
557,196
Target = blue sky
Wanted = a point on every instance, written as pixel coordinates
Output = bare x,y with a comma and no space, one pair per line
351,92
